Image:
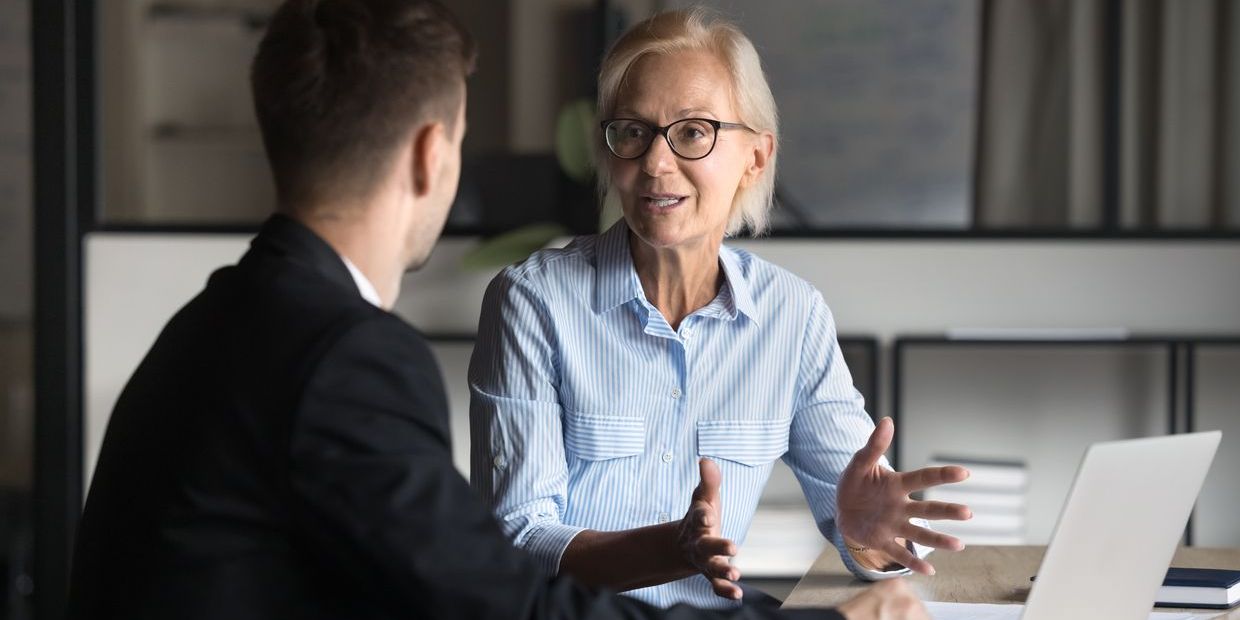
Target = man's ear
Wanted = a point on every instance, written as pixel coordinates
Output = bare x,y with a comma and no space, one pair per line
428,150
759,157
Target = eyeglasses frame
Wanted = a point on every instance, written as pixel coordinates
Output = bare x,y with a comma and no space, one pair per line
662,130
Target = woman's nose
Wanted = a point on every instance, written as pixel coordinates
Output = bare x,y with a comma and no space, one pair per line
659,158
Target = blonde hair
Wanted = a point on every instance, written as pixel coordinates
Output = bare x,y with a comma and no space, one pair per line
697,29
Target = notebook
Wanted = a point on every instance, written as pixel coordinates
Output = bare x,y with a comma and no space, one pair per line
1210,588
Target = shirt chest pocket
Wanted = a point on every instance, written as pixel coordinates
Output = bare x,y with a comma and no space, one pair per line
748,442
601,437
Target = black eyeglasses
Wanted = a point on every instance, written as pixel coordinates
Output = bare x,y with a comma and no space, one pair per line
690,138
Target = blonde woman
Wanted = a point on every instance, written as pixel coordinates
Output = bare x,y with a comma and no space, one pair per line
631,392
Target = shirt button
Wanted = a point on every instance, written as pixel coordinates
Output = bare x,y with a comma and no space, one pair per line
667,457
500,463
664,517
676,392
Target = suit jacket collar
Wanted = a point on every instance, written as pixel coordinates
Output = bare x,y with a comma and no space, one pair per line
286,237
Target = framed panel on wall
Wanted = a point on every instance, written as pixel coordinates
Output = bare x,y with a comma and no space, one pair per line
877,106
185,151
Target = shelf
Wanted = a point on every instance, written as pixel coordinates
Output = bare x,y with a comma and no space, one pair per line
177,133
250,17
1039,398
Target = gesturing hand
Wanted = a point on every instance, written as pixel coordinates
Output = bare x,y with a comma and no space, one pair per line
701,535
874,507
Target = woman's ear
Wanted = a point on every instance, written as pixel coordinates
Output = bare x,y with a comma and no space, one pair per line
428,151
759,157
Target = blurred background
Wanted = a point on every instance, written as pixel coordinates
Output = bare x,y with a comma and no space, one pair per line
1025,215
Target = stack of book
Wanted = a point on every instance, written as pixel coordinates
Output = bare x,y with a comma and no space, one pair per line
995,492
1199,587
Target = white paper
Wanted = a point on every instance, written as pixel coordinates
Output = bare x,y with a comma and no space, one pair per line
987,611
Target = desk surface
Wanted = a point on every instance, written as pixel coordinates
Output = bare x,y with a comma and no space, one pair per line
976,575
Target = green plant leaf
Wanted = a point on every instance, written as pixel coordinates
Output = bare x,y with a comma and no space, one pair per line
512,246
574,138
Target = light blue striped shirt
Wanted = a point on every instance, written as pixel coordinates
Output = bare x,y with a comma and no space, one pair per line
588,411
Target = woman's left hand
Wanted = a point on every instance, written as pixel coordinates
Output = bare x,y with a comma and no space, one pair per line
874,508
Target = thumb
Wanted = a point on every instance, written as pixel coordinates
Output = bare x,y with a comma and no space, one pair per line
877,445
708,487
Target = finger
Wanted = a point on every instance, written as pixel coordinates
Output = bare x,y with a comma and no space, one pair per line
710,545
932,476
718,567
901,554
702,515
931,538
877,445
710,479
725,588
936,511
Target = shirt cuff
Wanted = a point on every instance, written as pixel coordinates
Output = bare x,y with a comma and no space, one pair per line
921,551
547,542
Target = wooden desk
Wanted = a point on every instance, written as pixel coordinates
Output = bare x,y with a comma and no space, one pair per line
976,575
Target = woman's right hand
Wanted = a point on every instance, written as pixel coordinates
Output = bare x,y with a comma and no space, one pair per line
885,600
701,541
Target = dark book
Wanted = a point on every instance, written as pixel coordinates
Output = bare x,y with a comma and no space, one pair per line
1209,588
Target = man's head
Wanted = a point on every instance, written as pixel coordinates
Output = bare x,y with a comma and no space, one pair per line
350,94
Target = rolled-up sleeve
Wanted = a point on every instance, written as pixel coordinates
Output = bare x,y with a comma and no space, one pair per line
517,461
829,426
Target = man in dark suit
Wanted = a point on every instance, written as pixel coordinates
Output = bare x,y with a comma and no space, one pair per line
283,449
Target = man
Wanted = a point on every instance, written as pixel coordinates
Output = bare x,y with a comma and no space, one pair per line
282,451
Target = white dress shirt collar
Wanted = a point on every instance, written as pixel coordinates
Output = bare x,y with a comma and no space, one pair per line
368,290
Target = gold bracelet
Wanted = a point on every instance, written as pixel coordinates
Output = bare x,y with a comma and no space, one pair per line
854,548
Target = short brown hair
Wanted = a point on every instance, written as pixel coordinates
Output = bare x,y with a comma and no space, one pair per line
339,83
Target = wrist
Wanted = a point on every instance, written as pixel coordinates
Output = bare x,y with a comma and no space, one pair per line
873,559
681,547
864,556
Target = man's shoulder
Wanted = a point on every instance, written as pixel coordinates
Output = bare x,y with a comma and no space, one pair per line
377,335
277,319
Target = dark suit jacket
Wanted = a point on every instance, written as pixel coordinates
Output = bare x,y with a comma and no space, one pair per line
283,452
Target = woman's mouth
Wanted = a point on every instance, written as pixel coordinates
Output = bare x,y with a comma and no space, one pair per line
662,202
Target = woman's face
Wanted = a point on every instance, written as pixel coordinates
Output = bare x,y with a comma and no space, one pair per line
668,201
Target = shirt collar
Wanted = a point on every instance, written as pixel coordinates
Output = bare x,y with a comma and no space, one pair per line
615,278
368,290
742,293
616,281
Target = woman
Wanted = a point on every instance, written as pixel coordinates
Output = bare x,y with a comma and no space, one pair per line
605,370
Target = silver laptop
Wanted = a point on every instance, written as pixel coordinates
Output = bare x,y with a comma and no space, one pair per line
1120,526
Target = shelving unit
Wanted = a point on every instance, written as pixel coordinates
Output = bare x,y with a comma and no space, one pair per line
178,121
1212,401
1046,400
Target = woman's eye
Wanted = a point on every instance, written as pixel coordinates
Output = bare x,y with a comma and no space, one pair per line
692,132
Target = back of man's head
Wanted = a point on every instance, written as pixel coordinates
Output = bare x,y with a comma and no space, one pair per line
340,84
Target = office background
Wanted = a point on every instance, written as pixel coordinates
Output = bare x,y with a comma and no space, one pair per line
1061,173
